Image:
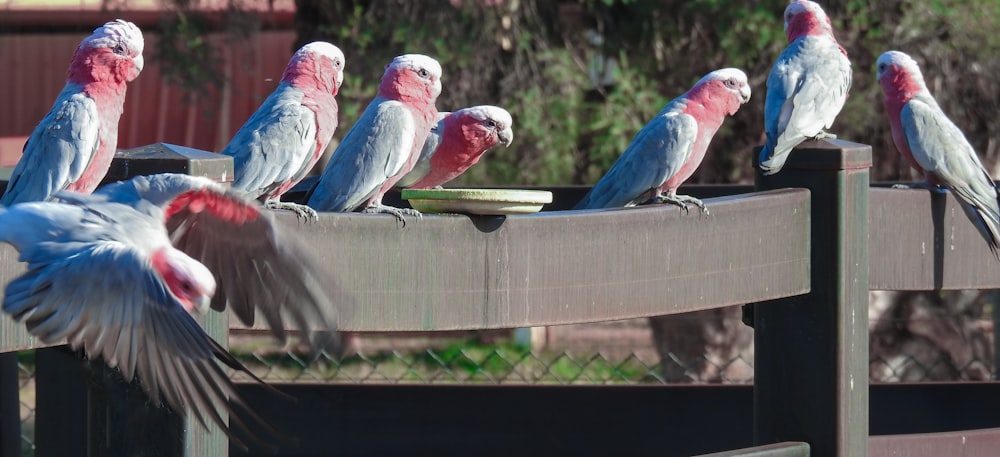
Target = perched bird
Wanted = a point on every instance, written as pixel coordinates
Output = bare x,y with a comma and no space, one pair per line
807,87
73,146
933,144
285,137
457,142
668,150
385,143
121,271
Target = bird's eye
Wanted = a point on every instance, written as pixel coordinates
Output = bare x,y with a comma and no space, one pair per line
491,123
186,286
731,83
881,67
118,49
423,73
338,64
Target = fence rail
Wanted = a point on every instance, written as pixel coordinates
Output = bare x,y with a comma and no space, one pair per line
804,253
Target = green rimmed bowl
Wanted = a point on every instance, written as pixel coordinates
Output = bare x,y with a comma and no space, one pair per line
484,202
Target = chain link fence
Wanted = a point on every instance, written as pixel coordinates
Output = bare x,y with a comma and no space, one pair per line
611,353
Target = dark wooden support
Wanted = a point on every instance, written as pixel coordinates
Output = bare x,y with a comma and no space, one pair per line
60,403
10,417
811,382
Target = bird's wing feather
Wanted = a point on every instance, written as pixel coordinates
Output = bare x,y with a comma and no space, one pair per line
657,152
106,298
257,267
941,149
806,90
57,152
375,149
423,166
273,145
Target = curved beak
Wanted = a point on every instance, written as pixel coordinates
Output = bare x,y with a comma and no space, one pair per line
506,136
744,94
199,305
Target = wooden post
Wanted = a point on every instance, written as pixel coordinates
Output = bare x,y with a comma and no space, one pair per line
10,414
88,408
811,368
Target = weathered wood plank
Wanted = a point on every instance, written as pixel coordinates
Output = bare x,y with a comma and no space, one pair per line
969,443
921,240
460,272
770,450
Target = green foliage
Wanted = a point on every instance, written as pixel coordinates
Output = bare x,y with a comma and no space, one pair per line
187,58
531,57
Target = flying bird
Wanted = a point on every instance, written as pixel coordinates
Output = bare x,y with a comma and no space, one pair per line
385,143
121,272
933,144
668,150
73,145
457,142
807,87
285,137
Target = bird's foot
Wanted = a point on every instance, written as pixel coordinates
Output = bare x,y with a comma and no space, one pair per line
921,185
824,135
682,201
303,212
397,212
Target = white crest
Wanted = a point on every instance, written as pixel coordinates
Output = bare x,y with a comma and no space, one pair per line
117,33
483,112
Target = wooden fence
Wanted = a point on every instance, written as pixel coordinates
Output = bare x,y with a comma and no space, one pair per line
802,249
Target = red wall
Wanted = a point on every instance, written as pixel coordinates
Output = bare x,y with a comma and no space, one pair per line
34,69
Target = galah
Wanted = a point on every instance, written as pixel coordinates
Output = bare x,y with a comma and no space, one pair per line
807,87
668,150
385,143
285,137
933,144
457,142
73,145
119,273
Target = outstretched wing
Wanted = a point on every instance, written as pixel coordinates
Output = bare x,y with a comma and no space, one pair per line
58,150
104,296
258,268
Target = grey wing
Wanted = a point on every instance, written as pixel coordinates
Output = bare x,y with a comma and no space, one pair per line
375,149
656,153
806,90
939,146
423,165
57,152
258,267
273,146
105,298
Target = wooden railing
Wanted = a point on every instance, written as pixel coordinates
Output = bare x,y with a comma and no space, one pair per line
803,249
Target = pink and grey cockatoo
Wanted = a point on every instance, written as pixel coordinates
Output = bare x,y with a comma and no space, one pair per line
807,87
73,145
121,271
385,143
285,137
457,142
933,144
668,150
